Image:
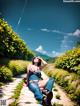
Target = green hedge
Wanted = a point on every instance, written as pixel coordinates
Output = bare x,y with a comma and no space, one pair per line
69,81
18,66
5,74
11,45
70,61
13,68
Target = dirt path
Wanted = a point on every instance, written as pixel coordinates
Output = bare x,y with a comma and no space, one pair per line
8,91
63,97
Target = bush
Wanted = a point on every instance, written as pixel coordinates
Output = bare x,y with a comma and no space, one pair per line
76,69
69,81
69,61
18,66
11,45
5,74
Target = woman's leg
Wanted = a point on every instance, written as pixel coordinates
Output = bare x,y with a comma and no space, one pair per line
46,83
43,82
49,84
36,90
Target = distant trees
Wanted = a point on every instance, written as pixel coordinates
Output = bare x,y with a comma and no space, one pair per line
11,45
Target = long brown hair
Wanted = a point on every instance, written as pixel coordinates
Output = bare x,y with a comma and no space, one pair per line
39,61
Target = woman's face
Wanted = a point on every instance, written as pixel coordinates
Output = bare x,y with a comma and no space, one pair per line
36,60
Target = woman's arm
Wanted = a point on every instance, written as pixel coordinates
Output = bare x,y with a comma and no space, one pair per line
44,63
27,76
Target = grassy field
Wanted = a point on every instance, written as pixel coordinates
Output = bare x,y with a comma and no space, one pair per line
11,68
70,82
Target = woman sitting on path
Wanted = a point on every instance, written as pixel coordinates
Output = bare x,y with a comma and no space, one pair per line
42,88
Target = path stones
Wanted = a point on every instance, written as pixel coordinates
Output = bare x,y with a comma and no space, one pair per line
8,91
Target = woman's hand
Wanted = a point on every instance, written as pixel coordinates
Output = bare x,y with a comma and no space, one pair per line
43,61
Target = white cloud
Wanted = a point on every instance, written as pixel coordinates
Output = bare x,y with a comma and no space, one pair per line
54,53
65,41
51,54
76,33
59,32
41,50
45,30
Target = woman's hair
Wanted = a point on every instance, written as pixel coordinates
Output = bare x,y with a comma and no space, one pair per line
39,61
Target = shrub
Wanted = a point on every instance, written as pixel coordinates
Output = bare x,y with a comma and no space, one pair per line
11,45
77,95
18,66
5,74
69,61
69,81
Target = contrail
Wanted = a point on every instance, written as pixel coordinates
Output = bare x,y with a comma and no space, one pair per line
20,18
19,21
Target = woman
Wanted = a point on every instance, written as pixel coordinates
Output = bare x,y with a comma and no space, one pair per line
37,84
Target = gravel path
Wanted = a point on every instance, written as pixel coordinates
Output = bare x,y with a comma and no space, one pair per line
8,91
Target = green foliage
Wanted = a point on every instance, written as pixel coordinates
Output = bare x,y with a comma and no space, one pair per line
17,94
69,78
1,84
14,104
18,90
69,61
70,82
18,66
11,45
57,96
13,67
5,74
55,89
57,104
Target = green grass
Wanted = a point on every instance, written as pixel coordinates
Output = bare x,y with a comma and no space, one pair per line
57,96
70,82
57,104
16,95
11,69
55,89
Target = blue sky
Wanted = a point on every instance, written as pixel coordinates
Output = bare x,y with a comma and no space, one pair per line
48,26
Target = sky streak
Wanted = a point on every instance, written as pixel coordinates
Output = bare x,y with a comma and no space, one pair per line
20,18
